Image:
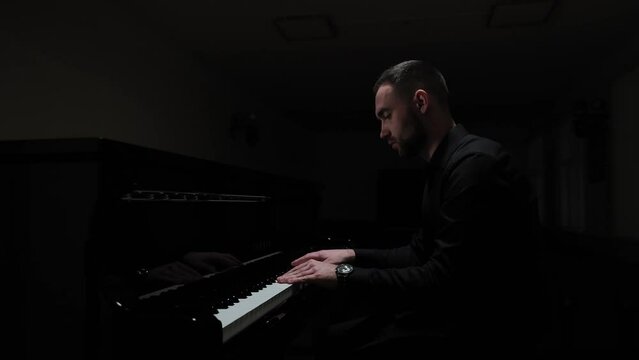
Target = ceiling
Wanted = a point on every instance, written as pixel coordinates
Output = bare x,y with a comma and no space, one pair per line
492,55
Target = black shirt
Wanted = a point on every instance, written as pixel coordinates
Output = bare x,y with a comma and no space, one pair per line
474,259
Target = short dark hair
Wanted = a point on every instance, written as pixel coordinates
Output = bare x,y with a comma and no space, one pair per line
408,76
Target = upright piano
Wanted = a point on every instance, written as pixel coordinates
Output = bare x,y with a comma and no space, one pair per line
113,250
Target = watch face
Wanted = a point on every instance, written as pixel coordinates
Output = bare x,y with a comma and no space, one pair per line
344,268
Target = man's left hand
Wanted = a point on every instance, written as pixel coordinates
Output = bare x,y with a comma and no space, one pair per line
313,272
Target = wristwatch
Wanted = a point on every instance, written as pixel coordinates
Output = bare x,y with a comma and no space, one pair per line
343,271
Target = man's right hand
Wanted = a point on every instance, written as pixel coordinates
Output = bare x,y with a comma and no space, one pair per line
336,256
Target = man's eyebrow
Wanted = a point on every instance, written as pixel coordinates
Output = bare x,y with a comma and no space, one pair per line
381,112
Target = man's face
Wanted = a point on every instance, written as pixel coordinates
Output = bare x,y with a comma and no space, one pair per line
400,125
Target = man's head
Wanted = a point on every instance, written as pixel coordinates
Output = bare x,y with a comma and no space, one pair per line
410,99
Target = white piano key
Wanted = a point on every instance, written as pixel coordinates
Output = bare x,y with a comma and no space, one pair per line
239,316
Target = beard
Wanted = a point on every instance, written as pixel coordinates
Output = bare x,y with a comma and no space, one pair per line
415,140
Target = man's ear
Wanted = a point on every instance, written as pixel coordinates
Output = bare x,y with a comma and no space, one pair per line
421,100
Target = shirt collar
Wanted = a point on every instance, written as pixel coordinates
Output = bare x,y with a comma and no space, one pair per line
445,149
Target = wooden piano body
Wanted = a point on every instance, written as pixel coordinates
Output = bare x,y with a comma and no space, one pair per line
91,228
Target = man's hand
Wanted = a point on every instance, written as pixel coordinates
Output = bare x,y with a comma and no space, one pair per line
311,271
317,267
337,256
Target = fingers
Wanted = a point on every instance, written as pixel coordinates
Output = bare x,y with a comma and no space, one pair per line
301,260
298,274
310,256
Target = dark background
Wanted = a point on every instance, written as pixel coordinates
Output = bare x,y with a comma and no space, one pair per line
285,87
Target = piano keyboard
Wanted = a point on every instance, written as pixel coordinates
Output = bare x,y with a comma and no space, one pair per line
238,297
237,317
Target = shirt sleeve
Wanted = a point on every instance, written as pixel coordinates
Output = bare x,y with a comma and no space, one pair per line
471,189
387,258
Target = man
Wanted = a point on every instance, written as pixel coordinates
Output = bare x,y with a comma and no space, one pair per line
467,281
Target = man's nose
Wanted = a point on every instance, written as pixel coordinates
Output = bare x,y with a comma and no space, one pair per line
383,133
